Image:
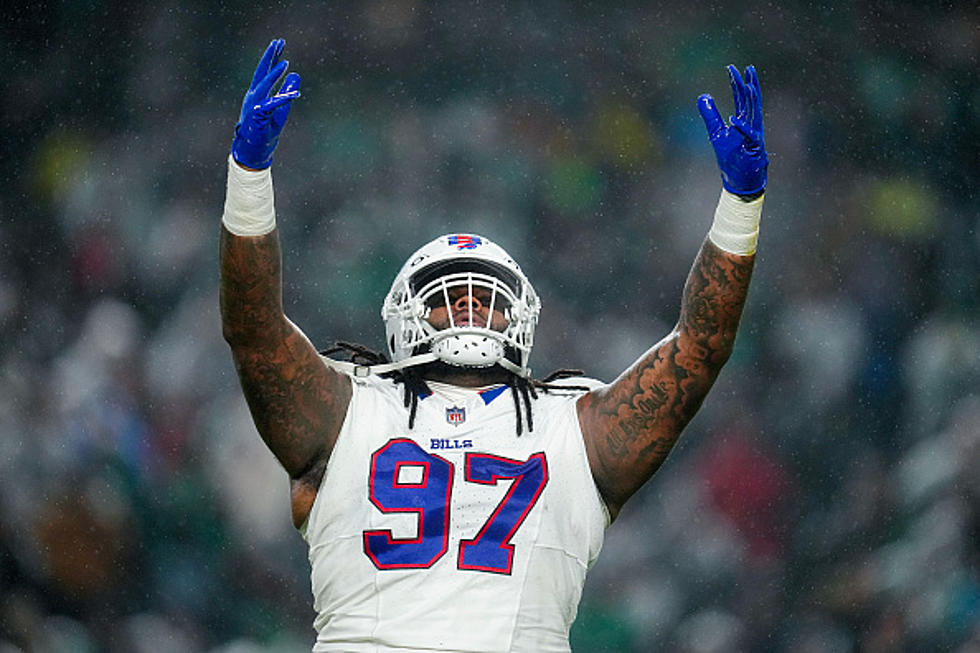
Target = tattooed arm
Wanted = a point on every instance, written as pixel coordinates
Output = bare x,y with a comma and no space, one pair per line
297,403
631,425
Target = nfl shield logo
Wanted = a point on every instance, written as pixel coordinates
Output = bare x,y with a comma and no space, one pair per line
455,415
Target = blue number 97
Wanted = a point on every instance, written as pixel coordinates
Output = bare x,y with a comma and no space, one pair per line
426,494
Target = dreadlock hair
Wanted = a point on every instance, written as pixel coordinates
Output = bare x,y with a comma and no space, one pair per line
415,386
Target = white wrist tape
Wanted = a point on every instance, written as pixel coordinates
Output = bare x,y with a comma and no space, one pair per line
736,225
249,207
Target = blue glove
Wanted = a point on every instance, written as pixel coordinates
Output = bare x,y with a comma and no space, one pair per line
739,148
263,117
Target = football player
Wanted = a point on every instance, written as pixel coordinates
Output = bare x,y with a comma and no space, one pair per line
450,501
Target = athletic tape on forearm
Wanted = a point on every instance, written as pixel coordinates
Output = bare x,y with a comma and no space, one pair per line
249,206
736,225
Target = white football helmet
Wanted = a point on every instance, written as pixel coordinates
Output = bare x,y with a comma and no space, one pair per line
480,267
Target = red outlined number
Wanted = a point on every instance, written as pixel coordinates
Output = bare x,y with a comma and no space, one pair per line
491,549
427,498
407,479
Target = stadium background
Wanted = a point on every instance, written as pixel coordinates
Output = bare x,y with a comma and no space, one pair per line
826,497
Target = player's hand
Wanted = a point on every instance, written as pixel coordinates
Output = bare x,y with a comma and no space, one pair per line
739,146
264,114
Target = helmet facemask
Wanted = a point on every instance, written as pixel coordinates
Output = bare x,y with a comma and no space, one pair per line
490,312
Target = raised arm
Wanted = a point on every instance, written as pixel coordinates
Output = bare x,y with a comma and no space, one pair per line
631,425
297,403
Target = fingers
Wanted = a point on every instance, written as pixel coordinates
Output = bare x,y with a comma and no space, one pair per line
751,103
748,113
747,95
263,88
290,84
738,90
709,113
282,100
752,79
269,58
286,94
269,105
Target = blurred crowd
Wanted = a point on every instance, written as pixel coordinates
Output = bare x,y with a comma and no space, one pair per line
827,496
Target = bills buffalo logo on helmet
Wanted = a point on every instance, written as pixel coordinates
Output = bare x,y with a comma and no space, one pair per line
465,241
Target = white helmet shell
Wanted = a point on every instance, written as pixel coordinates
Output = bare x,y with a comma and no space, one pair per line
424,281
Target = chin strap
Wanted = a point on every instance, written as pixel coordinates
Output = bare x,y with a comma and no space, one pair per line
516,369
357,370
360,371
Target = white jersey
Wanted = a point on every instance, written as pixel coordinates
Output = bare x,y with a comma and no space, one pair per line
456,535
